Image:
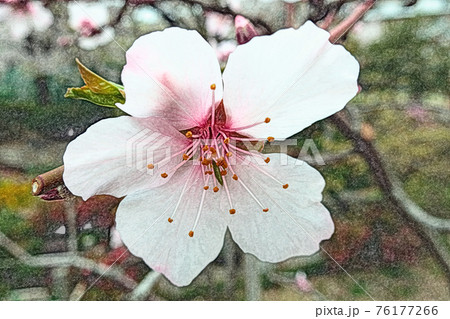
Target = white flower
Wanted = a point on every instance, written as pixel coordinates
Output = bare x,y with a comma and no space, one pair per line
176,212
22,19
90,21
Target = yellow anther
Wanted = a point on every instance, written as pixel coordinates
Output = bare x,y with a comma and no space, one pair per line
206,162
185,157
285,186
267,160
213,150
232,211
267,120
229,154
206,188
235,177
170,220
191,234
205,148
223,173
150,166
216,189
213,86
164,175
265,210
189,134
271,139
227,140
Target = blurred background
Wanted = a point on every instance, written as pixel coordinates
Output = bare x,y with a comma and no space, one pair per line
392,221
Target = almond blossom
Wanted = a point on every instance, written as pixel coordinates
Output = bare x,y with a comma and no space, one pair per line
178,206
24,17
90,21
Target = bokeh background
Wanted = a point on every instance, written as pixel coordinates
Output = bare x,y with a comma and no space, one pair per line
393,242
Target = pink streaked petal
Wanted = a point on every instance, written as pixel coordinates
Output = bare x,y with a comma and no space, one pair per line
296,221
142,221
111,157
168,74
294,77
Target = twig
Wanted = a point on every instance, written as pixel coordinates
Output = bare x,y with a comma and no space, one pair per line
404,206
342,28
142,291
252,280
119,16
227,10
65,260
47,181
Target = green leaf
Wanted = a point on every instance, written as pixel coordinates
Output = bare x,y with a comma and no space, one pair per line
97,90
217,173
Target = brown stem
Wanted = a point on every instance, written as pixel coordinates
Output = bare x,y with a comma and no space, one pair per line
342,28
368,151
47,181
227,10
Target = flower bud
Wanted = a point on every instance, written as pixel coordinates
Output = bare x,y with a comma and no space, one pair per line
245,30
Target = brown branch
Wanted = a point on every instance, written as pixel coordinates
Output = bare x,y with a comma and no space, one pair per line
403,206
47,181
120,15
227,10
342,28
66,260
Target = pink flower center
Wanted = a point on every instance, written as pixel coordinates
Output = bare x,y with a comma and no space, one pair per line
213,146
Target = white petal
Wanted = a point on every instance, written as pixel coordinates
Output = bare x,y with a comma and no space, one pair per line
111,157
42,17
169,74
296,221
294,77
96,13
142,221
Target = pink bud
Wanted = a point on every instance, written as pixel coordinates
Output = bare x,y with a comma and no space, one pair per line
302,282
245,30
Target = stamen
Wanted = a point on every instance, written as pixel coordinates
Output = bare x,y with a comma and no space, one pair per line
206,188
251,194
227,140
267,174
206,162
234,129
267,160
185,157
205,148
270,139
223,173
215,189
229,154
164,175
265,210
235,177
213,86
191,233
232,211
189,134
150,166
180,198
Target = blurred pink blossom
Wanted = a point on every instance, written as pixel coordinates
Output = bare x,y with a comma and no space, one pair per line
218,25
21,18
302,282
90,20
